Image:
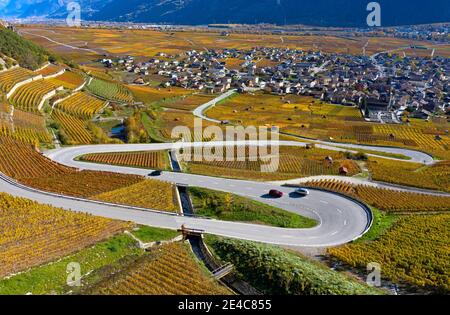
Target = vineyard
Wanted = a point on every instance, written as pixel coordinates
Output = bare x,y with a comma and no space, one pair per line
150,159
70,80
21,162
49,70
150,194
149,95
167,270
23,126
305,116
81,105
74,128
430,137
435,177
414,251
28,96
187,102
386,199
173,118
35,234
110,90
293,163
11,77
276,271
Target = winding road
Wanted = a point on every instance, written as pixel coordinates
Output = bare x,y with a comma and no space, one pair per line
340,219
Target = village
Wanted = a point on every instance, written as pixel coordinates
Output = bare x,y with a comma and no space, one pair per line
383,86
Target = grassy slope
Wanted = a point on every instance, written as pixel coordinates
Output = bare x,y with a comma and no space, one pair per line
229,207
274,270
150,234
25,52
51,278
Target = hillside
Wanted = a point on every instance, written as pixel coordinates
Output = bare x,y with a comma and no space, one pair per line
350,13
25,52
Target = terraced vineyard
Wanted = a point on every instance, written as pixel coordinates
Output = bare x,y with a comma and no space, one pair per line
304,116
293,163
150,159
110,90
386,199
414,251
49,70
74,128
21,162
430,137
70,80
435,177
11,77
81,105
23,126
35,234
29,96
150,194
167,270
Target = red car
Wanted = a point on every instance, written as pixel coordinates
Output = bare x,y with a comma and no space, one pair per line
275,193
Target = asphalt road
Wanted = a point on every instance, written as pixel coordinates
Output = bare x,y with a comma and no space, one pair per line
340,219
415,156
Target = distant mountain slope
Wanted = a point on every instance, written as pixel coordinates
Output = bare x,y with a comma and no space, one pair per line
48,8
312,12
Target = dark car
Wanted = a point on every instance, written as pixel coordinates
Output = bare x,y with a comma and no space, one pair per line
275,193
155,173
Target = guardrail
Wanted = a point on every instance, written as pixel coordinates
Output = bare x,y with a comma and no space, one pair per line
55,195
363,205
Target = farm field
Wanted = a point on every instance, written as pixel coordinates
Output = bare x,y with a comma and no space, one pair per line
259,109
307,117
385,199
149,95
413,252
51,69
52,278
34,234
29,96
150,42
435,177
170,119
150,159
188,103
81,105
23,126
150,194
293,163
74,129
167,270
69,80
109,90
21,162
10,78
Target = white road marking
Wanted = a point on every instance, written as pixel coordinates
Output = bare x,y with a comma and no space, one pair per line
339,210
324,202
345,222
